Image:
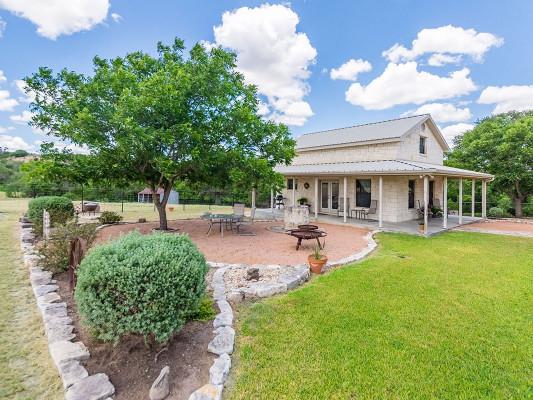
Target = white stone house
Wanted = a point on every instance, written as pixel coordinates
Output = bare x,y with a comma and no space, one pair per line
398,163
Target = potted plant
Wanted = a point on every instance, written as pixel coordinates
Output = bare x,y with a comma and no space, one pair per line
421,226
317,260
302,201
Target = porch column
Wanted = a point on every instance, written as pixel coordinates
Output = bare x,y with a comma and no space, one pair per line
473,197
272,199
426,203
380,203
445,203
345,200
293,191
253,198
316,197
460,200
483,198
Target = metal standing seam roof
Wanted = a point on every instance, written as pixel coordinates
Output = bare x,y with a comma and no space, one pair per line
385,167
392,129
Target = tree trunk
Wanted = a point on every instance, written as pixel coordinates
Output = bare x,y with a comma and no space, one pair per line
518,207
518,199
161,205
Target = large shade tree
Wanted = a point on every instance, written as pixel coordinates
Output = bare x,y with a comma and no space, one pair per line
501,145
163,119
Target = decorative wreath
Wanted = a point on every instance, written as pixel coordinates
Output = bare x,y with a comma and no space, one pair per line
306,185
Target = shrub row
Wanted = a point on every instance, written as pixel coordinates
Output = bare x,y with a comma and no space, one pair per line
60,209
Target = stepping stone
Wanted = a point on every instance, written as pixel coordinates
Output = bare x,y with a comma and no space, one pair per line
207,392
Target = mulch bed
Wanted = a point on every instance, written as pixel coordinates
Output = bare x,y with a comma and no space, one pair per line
132,367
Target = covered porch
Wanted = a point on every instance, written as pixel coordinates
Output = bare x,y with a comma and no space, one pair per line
388,195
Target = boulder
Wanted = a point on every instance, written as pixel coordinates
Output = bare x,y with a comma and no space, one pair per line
63,351
94,387
72,372
223,341
218,373
252,274
160,388
207,392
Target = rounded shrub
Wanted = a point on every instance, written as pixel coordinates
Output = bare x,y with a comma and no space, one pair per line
147,285
109,217
495,212
60,208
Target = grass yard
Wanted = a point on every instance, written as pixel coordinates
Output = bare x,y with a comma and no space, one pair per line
134,211
448,317
26,370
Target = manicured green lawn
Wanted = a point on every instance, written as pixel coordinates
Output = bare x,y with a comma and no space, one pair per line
450,317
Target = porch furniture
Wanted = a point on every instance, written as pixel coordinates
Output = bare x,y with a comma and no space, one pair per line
371,210
238,209
340,209
223,220
307,235
244,221
280,201
359,213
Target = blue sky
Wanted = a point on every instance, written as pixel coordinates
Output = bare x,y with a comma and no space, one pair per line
317,64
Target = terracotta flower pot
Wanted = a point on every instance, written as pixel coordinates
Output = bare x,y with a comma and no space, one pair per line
171,209
421,228
316,265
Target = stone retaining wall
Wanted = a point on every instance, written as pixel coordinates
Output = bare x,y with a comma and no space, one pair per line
64,350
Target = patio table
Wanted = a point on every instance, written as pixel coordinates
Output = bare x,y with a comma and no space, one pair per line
222,220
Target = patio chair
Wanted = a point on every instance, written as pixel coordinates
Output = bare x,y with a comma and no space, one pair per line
371,210
244,221
238,209
340,209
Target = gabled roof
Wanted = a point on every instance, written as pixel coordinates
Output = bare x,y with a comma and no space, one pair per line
384,131
382,167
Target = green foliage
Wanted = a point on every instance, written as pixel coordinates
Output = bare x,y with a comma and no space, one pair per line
60,209
109,217
206,310
505,203
495,212
54,252
528,207
164,119
503,146
144,285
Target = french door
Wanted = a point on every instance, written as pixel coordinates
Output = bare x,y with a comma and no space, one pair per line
329,196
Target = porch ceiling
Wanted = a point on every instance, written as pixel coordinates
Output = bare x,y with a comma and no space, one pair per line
382,167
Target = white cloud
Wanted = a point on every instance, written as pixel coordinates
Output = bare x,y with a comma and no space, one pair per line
22,118
4,129
272,55
59,17
508,98
7,103
13,143
65,146
404,84
2,76
27,97
116,17
3,25
451,131
442,112
438,59
350,69
445,40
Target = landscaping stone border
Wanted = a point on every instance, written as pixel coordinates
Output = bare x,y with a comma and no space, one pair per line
65,352
224,341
